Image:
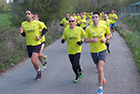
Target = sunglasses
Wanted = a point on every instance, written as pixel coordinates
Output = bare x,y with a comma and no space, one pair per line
71,20
94,16
27,13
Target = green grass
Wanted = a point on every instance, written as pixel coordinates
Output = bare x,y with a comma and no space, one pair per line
132,38
134,24
4,21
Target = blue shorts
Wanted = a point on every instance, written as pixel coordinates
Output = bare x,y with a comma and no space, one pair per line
114,25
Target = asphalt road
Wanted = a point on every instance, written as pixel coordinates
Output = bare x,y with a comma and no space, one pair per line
121,73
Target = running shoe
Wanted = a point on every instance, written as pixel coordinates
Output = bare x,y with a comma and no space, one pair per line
81,72
43,68
76,79
39,76
100,91
104,81
45,60
108,51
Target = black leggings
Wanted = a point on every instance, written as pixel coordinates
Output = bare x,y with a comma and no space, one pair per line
74,59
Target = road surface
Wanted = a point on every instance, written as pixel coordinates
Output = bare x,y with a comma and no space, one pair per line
121,73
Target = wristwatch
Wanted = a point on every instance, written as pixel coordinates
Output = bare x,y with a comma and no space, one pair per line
106,38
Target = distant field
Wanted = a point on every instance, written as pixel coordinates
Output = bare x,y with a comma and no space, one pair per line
4,21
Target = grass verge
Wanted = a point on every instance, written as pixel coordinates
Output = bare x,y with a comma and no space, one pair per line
133,41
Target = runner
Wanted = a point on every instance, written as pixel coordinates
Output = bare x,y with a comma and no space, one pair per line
101,15
74,42
113,17
82,22
30,28
95,36
41,56
76,18
108,22
65,21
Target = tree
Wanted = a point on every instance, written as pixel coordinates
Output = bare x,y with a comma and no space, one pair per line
48,10
3,6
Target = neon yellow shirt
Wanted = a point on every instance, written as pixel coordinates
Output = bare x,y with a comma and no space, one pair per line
82,24
90,22
102,16
108,22
79,17
73,36
76,18
102,22
85,16
64,20
97,32
43,37
31,30
113,15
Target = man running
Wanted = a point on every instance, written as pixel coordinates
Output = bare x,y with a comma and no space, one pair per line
82,22
108,22
30,29
75,17
113,17
95,35
41,56
65,21
73,36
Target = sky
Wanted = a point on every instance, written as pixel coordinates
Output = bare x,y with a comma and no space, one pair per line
8,1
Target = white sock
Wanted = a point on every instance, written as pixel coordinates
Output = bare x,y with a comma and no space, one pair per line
100,87
38,69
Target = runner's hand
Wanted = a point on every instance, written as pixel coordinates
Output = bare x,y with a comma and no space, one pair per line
21,30
40,30
63,41
94,40
37,38
80,42
103,40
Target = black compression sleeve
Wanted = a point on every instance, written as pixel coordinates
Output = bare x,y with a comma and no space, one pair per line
23,34
44,31
61,24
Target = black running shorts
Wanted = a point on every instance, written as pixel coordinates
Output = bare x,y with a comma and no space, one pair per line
32,49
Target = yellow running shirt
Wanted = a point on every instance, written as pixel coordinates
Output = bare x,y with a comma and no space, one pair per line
112,15
108,22
64,20
102,16
90,22
82,24
73,36
31,30
97,32
102,22
43,37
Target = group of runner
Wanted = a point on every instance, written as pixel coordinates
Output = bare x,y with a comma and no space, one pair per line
97,34
75,33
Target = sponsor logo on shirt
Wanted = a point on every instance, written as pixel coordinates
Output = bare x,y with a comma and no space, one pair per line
72,38
29,31
97,36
